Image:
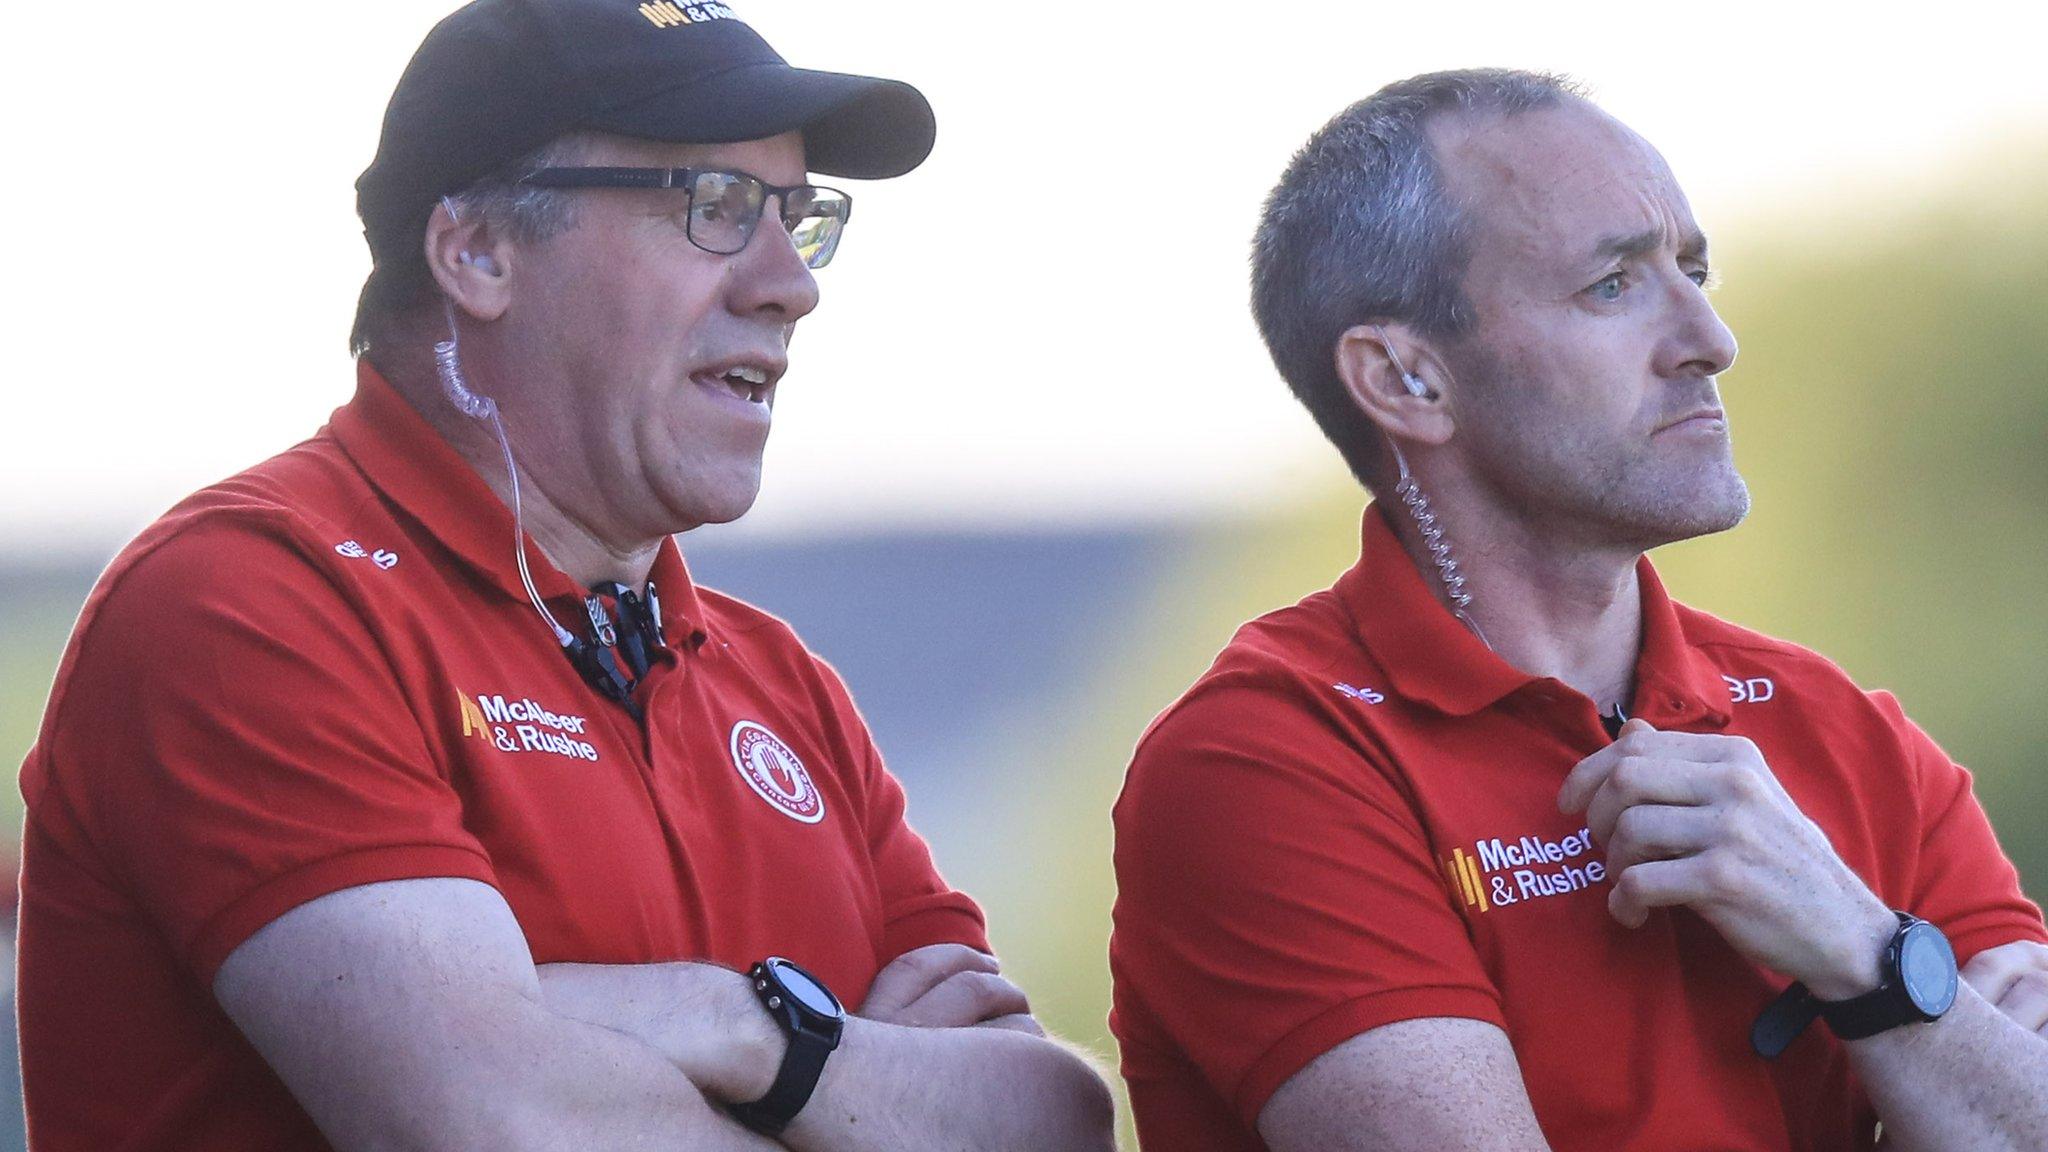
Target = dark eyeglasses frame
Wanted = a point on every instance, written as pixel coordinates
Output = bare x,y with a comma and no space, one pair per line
686,179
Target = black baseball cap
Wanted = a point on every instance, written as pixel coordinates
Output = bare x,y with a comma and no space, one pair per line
498,78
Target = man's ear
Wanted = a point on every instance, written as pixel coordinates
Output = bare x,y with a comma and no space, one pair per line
1396,381
470,263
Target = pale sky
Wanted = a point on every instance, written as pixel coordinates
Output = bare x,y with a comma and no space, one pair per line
186,257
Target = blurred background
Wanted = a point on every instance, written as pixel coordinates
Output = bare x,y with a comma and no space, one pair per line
1031,466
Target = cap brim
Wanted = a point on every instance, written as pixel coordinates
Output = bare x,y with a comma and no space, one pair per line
858,127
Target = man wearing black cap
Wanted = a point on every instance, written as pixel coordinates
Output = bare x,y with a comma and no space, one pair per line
403,791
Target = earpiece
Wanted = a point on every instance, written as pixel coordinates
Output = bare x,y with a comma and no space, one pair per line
448,366
1409,380
482,264
448,353
597,664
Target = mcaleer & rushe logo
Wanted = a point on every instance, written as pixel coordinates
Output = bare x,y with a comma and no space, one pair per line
1501,872
524,726
668,14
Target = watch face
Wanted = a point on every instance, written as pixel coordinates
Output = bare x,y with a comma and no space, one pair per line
808,992
1927,966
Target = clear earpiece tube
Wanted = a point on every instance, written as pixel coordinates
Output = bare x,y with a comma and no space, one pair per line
448,366
1434,542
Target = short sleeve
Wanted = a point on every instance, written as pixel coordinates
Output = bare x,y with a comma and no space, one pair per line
918,906
1964,882
1277,895
232,743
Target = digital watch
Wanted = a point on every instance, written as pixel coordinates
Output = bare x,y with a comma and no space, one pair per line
812,1017
1918,986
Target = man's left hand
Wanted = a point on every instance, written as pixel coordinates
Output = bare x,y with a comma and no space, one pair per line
2014,979
947,986
1701,821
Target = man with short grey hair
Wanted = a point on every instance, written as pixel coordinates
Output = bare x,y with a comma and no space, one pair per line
404,791
1492,845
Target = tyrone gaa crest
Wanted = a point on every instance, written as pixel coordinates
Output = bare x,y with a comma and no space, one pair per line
772,770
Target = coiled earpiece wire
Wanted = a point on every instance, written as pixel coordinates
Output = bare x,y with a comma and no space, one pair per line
1436,544
1412,498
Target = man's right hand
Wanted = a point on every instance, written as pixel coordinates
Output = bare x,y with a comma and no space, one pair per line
947,986
1700,820
410,1014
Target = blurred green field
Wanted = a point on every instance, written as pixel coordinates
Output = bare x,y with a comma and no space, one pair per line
38,603
1889,412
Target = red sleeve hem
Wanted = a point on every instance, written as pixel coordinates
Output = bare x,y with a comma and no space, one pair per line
226,931
1296,1050
1978,937
952,923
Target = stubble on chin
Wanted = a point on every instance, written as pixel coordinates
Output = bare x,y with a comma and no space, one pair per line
1605,496
1662,505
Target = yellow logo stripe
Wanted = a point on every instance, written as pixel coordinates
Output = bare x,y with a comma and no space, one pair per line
1472,884
664,14
472,718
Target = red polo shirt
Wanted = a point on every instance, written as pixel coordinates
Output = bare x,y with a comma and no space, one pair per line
323,673
1351,819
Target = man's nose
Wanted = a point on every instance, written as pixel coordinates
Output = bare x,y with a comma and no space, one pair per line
1701,343
772,277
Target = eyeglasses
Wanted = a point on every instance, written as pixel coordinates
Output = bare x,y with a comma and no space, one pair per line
724,207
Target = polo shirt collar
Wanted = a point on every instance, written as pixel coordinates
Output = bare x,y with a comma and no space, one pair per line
1676,683
404,458
1431,657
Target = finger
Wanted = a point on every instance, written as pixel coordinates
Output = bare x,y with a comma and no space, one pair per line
1698,748
2026,1002
915,973
1701,745
1993,971
1659,832
1589,774
911,976
1635,739
1659,884
966,998
1015,1022
1747,775
1732,767
1650,780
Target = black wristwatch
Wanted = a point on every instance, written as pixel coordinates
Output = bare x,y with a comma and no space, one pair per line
812,1017
1918,985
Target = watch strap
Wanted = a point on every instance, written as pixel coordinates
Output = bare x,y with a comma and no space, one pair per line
794,1083
813,1035
1859,1019
1782,1021
1887,1006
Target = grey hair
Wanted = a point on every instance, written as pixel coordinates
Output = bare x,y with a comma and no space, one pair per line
518,212
1362,228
